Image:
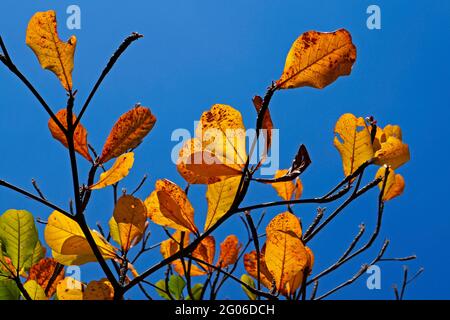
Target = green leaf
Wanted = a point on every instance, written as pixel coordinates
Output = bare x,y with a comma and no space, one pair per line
249,281
196,290
161,289
8,290
19,235
38,254
35,291
176,286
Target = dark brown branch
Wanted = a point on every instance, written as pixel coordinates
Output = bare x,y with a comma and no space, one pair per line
317,219
123,46
38,190
255,239
11,66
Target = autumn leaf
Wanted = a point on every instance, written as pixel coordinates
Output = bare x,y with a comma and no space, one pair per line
34,290
8,289
69,289
117,172
43,271
220,197
129,218
218,151
128,132
395,184
286,256
38,253
79,137
206,251
53,54
18,235
169,206
267,126
317,59
229,251
171,246
251,266
284,189
353,141
65,237
99,290
393,153
249,281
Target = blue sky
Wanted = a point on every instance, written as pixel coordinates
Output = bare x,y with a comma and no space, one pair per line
198,53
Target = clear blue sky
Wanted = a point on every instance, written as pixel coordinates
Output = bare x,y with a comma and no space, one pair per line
197,53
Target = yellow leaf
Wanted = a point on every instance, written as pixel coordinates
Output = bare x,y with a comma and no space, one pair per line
251,263
395,184
218,151
65,237
129,218
69,289
171,246
169,206
353,141
286,256
317,59
128,132
229,251
35,291
220,197
206,251
79,138
118,171
99,290
393,131
284,189
52,53
393,153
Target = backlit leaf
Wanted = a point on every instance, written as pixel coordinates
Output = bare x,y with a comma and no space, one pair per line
8,289
206,251
220,197
169,206
99,290
196,291
52,53
393,153
19,236
128,132
129,215
176,286
284,189
69,289
38,253
286,256
117,172
249,281
43,271
229,251
267,126
65,237
395,184
35,291
251,266
79,138
353,141
317,59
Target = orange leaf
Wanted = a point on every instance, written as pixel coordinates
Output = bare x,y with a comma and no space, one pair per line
43,271
99,290
52,53
286,256
229,251
79,138
317,59
206,251
128,132
169,206
284,189
250,264
267,126
395,184
393,153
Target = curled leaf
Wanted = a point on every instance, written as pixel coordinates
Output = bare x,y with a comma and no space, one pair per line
128,132
395,184
129,216
79,137
169,206
393,153
117,172
53,54
317,59
65,237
